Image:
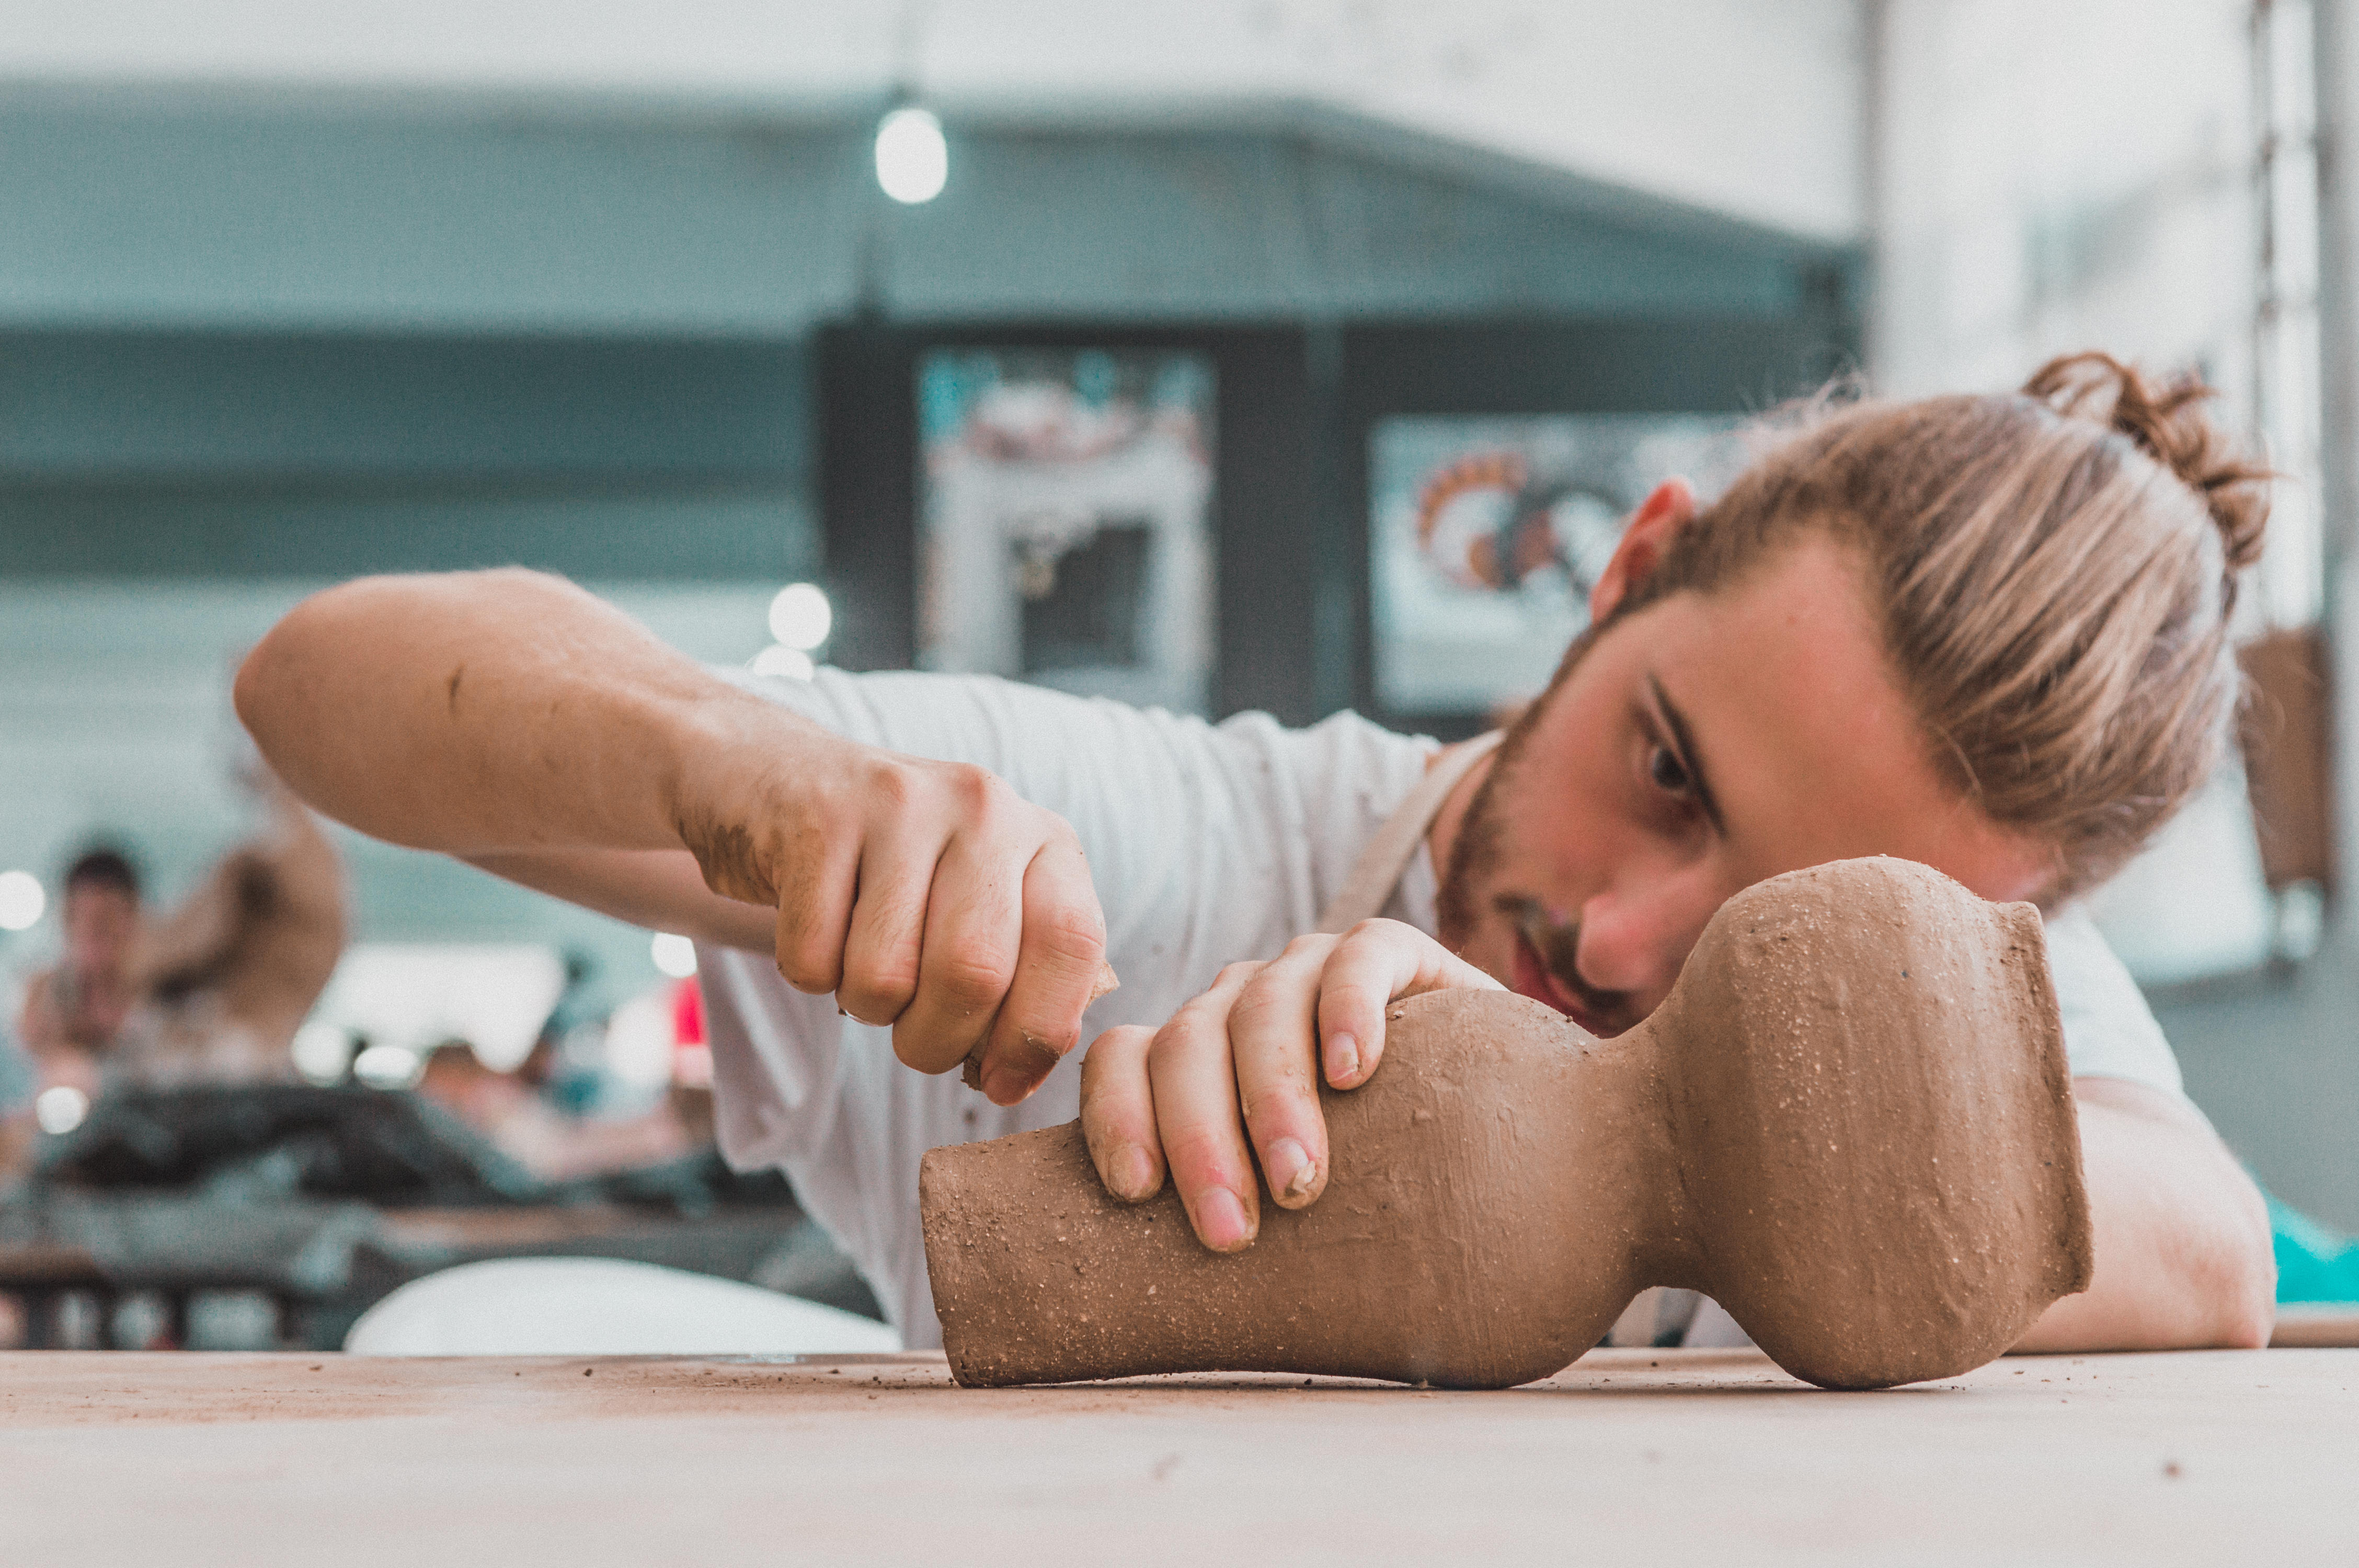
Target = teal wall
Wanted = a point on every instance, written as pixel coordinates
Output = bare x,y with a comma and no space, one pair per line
210,454
181,216
301,217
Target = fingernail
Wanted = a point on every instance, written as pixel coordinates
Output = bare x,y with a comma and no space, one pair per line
1133,1173
1292,1173
1221,1220
1342,1058
1002,1086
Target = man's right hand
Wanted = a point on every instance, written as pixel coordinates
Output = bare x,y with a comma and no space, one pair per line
926,895
511,720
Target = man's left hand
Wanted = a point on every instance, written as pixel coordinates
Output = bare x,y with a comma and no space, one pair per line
1241,1063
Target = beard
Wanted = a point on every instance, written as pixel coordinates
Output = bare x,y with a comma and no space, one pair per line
1481,846
1475,858
1479,879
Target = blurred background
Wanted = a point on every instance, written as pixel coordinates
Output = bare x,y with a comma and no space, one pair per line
1283,354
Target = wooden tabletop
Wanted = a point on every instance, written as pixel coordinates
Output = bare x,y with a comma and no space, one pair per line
1629,1456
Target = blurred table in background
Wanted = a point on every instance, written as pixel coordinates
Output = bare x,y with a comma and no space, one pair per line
272,1217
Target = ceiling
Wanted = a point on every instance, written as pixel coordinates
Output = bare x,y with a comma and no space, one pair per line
1744,110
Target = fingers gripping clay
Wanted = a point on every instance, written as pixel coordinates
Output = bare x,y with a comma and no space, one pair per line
1851,1124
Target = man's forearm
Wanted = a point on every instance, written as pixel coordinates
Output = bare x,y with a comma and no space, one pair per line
2182,1241
657,888
506,718
480,712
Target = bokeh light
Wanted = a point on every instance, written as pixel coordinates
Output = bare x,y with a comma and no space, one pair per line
639,1043
674,955
322,1051
800,616
913,161
60,1109
21,901
388,1067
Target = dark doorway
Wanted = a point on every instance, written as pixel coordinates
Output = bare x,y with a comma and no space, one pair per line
1264,567
1082,609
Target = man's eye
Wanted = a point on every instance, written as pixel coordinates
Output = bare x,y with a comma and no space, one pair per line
1669,775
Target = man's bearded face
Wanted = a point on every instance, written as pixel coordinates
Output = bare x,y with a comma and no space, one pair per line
1685,752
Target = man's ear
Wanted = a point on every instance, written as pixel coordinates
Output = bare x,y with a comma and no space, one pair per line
1644,537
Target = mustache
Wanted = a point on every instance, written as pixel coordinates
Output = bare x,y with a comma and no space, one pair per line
1557,944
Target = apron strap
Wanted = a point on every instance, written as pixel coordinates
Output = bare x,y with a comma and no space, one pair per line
1378,869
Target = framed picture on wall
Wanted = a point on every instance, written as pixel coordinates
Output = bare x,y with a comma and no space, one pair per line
1065,520
1487,534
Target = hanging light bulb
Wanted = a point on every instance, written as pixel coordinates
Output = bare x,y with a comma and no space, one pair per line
913,162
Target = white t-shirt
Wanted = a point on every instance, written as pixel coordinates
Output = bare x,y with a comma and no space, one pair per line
1207,844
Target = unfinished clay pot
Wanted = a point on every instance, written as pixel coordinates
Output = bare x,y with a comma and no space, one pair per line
1851,1124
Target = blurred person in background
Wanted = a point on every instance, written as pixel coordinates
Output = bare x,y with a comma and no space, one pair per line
74,1009
230,974
73,1012
520,1122
212,992
564,1065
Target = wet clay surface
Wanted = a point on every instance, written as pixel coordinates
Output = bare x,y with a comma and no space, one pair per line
1851,1124
205,1460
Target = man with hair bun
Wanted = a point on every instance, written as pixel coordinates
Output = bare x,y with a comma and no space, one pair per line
1988,634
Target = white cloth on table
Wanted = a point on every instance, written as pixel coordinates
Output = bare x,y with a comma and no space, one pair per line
603,1306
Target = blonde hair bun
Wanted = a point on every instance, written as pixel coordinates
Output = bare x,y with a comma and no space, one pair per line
2054,570
2167,421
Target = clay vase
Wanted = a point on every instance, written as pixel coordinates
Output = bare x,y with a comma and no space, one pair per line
1851,1124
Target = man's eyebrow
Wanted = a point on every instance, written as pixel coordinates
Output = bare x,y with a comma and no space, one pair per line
1683,743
